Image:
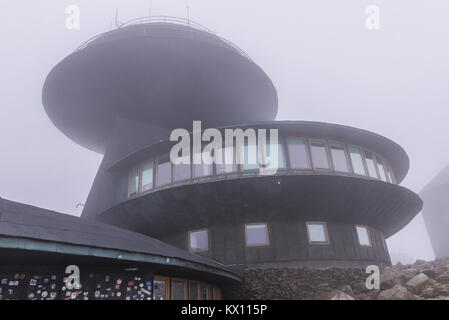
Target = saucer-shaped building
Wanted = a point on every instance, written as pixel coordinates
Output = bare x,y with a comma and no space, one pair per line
333,200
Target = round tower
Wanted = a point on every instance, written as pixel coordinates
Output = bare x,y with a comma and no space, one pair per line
333,200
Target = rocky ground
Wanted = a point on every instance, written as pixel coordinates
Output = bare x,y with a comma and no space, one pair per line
422,280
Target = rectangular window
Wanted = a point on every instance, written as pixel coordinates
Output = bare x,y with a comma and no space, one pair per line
250,156
163,171
381,168
256,234
228,161
181,171
357,160
201,169
389,173
161,288
317,232
297,151
133,183
339,157
319,154
147,177
194,290
179,289
273,162
363,236
198,241
370,164
204,292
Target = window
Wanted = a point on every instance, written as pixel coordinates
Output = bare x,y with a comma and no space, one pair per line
389,173
250,156
161,288
363,235
319,154
133,183
204,292
357,160
228,161
370,164
381,168
339,157
201,169
256,234
272,162
217,293
179,289
297,151
163,171
181,171
147,177
198,241
317,232
194,290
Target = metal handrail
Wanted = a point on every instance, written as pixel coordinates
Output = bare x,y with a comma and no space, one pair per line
167,20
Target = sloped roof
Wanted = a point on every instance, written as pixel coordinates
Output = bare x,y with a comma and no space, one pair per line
19,220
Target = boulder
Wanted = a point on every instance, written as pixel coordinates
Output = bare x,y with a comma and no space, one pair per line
418,280
443,278
388,278
347,289
340,295
398,292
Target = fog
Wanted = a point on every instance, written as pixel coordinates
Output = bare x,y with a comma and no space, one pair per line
326,65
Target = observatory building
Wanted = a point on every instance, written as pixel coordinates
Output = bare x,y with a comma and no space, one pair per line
436,212
189,230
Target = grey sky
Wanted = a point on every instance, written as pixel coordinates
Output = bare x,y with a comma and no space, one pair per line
324,63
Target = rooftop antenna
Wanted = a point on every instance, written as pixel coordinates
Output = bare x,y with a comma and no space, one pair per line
188,14
188,18
117,22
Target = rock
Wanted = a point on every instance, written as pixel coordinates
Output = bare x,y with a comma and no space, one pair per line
443,278
418,280
388,278
398,292
431,273
359,287
347,289
340,295
408,274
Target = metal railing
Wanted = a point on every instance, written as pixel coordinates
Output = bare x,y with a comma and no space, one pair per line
168,21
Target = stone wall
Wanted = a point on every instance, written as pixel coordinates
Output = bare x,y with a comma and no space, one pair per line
419,281
295,283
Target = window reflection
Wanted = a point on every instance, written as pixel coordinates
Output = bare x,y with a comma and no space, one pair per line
147,177
198,240
339,158
297,151
381,169
179,289
319,154
163,171
256,234
228,161
250,156
200,169
357,160
134,182
363,236
182,171
273,162
317,232
369,158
